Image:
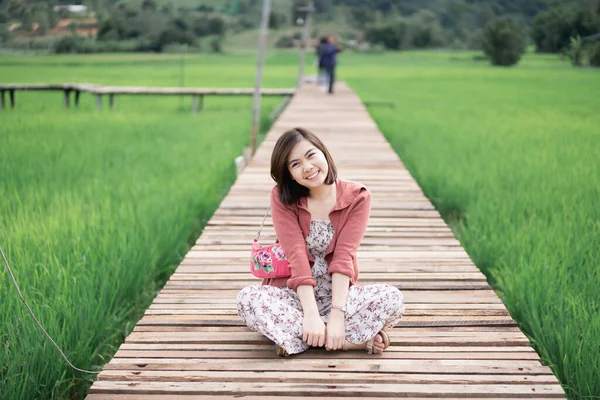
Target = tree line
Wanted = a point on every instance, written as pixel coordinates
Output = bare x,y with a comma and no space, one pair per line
557,26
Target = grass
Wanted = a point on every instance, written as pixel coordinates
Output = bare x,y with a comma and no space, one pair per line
510,158
99,207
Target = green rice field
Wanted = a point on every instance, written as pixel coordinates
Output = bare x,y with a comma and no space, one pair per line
97,208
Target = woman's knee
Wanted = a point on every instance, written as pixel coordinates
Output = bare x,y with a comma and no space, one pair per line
393,296
246,295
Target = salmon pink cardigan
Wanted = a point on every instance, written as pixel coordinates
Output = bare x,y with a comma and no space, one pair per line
349,218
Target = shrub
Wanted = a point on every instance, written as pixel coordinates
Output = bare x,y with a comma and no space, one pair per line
4,33
216,45
503,42
114,28
475,39
285,42
276,20
593,53
66,44
216,26
247,22
575,51
391,35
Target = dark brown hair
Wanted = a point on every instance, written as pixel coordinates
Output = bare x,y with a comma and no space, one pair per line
291,191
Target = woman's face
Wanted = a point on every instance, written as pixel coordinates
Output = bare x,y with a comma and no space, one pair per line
307,165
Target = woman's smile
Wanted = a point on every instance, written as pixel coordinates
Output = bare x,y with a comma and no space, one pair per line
313,175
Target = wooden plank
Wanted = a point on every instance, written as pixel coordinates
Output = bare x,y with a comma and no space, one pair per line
296,364
199,338
324,389
264,347
320,377
168,396
270,354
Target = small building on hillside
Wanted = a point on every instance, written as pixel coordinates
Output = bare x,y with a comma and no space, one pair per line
72,8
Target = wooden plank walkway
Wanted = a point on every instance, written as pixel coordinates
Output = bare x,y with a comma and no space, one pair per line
456,340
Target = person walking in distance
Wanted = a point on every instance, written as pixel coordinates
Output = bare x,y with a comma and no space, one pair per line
329,60
323,79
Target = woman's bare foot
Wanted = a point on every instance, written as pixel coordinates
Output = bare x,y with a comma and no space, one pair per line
378,345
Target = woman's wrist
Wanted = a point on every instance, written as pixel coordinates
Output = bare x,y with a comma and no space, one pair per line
339,308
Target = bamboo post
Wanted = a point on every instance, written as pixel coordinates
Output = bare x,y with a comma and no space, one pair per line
264,26
305,42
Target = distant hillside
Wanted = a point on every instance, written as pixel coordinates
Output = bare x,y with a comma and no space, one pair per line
154,25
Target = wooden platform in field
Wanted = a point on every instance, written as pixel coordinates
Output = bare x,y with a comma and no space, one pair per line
456,340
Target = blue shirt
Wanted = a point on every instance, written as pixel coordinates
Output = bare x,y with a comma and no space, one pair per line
327,54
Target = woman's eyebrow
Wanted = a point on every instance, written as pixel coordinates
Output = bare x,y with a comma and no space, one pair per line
295,159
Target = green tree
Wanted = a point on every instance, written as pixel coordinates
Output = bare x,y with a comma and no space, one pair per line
276,19
552,29
425,31
362,16
503,42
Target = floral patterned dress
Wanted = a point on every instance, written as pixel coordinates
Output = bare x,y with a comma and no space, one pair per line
276,312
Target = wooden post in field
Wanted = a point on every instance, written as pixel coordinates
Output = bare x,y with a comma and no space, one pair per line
305,41
194,104
264,26
67,95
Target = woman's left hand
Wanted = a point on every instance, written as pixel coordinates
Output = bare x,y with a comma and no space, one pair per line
336,330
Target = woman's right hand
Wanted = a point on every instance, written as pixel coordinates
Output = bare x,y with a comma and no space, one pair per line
313,330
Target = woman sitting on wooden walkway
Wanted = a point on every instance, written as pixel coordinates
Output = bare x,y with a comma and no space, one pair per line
320,221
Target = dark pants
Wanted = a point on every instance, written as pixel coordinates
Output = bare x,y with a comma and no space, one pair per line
331,72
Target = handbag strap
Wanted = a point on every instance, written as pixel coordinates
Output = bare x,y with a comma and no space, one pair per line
263,223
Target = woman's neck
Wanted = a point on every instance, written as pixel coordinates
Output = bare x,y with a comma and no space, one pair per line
323,193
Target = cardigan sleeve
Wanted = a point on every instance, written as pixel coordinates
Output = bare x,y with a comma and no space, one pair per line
287,228
351,235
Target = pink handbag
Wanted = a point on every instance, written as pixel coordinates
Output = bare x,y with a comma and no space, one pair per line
268,261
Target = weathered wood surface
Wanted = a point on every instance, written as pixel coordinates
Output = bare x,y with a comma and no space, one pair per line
99,89
44,86
112,91
456,339
133,90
